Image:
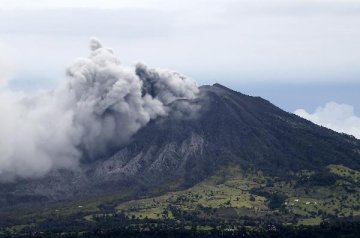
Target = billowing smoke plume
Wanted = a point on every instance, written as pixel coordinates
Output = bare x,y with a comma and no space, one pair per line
99,108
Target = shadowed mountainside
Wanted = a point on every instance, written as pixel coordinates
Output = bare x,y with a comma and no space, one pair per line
222,127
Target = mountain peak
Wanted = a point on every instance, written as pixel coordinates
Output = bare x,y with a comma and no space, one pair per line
222,88
229,129
217,85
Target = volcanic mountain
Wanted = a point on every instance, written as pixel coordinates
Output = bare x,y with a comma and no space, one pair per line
219,128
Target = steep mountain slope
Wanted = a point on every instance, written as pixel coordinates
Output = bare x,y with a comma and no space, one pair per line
230,128
222,127
235,128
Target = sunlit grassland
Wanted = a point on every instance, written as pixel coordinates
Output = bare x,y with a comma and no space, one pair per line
230,194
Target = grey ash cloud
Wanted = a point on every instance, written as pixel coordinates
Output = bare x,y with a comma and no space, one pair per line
101,105
166,85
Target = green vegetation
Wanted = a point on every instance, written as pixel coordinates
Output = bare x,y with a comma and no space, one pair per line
307,198
231,198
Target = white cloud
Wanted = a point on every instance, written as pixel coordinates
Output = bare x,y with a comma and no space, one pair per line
35,4
251,40
335,116
133,23
42,4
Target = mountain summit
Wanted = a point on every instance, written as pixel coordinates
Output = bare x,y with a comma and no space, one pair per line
220,127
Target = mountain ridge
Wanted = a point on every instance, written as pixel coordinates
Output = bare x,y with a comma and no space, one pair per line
220,127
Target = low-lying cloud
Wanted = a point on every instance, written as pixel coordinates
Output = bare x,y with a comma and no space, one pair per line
335,116
101,105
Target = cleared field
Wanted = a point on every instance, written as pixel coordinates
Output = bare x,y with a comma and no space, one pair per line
233,188
232,194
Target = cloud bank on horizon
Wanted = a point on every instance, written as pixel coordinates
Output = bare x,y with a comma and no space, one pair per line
273,41
101,105
335,116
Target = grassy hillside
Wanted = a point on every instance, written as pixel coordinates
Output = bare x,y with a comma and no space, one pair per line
231,197
306,198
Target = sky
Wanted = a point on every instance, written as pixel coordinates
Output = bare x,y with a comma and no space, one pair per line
299,54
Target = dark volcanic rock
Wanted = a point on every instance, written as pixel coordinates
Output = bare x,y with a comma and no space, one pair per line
221,127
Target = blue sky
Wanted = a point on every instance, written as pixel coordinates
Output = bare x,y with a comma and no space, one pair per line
297,54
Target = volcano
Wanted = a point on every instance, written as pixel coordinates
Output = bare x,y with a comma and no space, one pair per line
220,127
